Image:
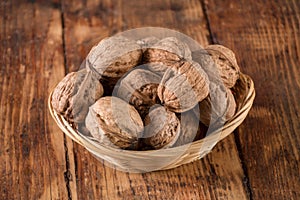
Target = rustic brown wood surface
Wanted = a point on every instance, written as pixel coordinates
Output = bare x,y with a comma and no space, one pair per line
41,41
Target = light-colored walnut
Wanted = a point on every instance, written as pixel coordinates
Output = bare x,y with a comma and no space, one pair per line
139,88
114,122
113,57
162,128
75,93
226,64
167,51
218,107
183,86
202,57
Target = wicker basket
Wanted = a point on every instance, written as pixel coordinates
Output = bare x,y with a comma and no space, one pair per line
152,160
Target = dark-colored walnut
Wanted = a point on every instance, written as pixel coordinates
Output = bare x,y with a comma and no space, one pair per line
139,88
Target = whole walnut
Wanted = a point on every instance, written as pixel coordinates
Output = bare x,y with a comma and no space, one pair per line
183,86
75,93
162,128
113,57
218,107
139,88
226,64
167,51
114,122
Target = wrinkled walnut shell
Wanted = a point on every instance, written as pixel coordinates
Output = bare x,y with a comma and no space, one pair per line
139,88
75,93
115,123
113,57
226,63
219,106
183,86
157,68
167,51
189,126
162,128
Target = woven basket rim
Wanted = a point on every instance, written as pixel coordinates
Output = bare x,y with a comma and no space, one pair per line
193,148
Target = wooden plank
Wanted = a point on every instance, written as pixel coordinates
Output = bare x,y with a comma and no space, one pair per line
265,36
31,146
217,176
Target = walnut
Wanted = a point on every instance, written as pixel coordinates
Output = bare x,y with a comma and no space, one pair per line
189,125
167,51
75,93
113,122
183,86
226,63
162,128
113,57
218,107
157,68
208,65
139,88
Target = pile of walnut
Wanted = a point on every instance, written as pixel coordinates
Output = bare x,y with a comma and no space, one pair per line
150,93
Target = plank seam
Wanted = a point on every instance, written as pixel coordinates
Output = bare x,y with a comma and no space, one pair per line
67,173
246,181
62,18
212,38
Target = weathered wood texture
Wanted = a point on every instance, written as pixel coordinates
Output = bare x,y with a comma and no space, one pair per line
210,178
32,154
42,41
265,36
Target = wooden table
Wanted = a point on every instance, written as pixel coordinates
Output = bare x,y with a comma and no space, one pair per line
41,41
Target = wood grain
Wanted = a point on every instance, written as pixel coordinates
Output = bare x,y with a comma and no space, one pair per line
31,150
265,36
218,176
41,41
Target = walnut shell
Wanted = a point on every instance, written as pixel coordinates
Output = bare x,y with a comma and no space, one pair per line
226,63
189,125
115,123
219,106
183,86
162,128
75,93
157,68
208,65
167,51
139,88
113,57
147,42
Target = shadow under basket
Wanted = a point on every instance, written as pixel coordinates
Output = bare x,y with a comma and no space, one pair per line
162,159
